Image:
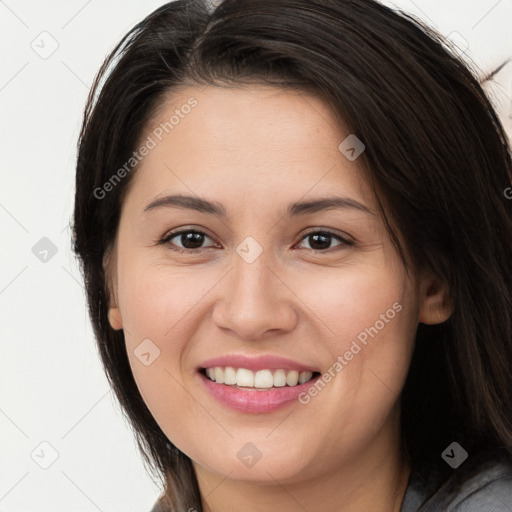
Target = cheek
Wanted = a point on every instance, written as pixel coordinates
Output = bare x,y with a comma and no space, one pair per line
378,316
372,320
156,299
354,301
159,306
151,304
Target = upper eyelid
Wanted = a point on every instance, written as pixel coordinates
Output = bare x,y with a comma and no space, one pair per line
180,231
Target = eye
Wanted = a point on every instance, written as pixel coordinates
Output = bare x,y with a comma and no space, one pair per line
321,240
190,239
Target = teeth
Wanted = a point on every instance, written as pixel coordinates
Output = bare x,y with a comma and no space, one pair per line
229,375
292,378
304,377
243,378
262,379
279,378
219,374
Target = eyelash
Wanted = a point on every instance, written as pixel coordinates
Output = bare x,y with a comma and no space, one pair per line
167,239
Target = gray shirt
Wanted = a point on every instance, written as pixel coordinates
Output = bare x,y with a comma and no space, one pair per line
488,491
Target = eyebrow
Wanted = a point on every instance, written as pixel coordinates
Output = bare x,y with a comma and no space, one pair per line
293,210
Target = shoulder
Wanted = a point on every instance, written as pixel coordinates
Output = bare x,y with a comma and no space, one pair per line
489,490
160,506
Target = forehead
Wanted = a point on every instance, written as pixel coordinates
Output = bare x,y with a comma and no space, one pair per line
255,140
256,117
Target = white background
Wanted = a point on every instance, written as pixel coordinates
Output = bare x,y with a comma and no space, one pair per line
52,386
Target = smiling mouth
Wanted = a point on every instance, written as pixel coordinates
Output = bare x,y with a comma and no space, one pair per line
243,378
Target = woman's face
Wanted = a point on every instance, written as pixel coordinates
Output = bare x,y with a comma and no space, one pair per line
322,288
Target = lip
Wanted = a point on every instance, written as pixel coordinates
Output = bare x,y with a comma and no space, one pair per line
263,362
252,400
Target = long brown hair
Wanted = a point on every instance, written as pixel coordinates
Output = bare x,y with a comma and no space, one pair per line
437,156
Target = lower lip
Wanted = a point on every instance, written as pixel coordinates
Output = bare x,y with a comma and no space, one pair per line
253,400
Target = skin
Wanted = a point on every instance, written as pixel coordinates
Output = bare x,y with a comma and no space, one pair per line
255,149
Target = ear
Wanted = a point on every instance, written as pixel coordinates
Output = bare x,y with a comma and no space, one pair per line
114,313
114,318
436,305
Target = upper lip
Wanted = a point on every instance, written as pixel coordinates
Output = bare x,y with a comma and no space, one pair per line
263,362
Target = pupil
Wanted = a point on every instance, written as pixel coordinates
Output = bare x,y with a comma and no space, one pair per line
192,240
315,238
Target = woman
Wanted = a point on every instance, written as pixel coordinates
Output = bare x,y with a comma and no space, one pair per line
297,253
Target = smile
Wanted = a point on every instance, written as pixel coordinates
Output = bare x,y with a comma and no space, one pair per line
259,380
257,392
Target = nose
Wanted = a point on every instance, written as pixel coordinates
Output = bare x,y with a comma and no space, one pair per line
254,301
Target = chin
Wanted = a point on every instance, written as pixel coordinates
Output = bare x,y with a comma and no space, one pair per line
265,464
